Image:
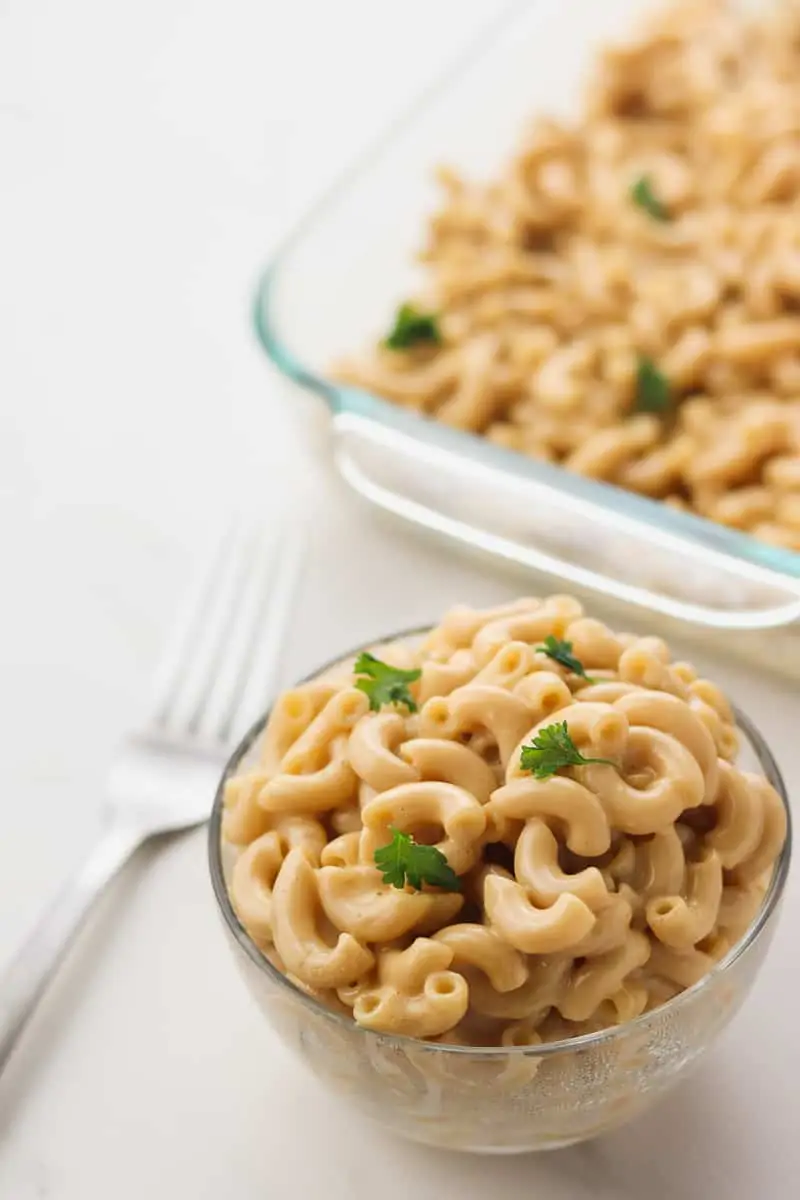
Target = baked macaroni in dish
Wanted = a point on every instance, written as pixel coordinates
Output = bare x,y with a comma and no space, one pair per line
527,828
624,298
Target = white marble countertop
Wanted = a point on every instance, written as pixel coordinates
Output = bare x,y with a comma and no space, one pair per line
152,154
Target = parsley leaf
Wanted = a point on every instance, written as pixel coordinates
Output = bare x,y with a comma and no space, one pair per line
412,326
404,860
384,684
552,749
642,194
653,393
561,652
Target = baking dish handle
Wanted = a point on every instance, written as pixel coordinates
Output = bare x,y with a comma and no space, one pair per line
528,521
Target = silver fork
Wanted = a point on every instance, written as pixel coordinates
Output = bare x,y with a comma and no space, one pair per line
214,681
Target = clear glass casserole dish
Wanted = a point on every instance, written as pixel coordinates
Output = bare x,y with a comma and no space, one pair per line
349,263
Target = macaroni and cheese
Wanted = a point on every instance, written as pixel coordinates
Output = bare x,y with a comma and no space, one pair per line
527,828
623,298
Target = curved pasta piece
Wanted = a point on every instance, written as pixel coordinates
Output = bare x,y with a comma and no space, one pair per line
365,794
441,678
312,748
682,923
416,994
332,786
485,746
531,626
564,606
326,996
610,929
460,624
718,943
371,751
343,851
646,663
291,715
346,819
356,900
724,734
597,726
295,913
537,868
427,803
505,668
712,695
773,834
594,644
476,707
628,1003
635,903
543,693
298,832
608,691
530,929
674,782
480,946
622,867
683,968
440,1005
740,817
562,800
660,865
252,880
408,969
602,977
450,762
243,818
660,991
521,1033
738,907
532,1000
659,710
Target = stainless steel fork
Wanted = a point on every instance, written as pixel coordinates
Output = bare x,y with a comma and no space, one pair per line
215,679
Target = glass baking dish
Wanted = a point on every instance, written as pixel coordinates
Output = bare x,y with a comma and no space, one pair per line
338,277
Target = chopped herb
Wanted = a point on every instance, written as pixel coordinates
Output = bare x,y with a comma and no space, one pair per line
561,652
412,326
405,861
642,194
653,393
384,684
552,749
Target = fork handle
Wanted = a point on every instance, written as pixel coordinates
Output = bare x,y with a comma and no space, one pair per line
26,977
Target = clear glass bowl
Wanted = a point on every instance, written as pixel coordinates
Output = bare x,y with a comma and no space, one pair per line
504,1101
335,282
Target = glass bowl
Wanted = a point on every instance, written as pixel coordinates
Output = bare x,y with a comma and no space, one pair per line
504,1100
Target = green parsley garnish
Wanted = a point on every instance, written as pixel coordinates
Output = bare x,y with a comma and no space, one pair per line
412,326
552,749
405,861
642,194
384,684
653,393
561,652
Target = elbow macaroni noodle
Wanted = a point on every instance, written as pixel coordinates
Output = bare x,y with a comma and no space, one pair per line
587,897
551,284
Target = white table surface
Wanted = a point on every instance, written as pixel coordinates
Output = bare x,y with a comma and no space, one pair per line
151,155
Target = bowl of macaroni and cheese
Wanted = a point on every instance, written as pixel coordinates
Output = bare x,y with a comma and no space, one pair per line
503,881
